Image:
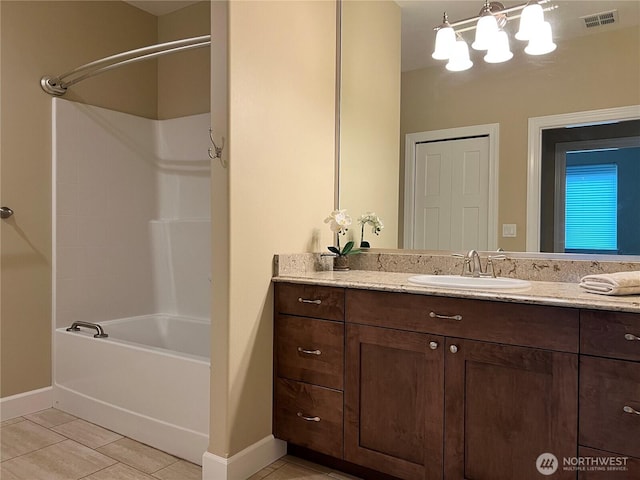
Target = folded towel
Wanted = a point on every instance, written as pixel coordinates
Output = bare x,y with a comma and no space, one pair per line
621,283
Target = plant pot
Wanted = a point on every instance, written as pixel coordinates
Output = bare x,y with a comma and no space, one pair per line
341,263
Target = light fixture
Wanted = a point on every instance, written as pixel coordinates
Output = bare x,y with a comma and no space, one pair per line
445,40
499,51
486,28
541,42
459,59
491,36
531,21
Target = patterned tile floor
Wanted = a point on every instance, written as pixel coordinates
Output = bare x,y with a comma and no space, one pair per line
53,445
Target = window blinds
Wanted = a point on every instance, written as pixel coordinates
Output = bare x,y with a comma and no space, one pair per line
591,208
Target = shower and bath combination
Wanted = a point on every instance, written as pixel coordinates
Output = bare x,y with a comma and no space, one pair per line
137,271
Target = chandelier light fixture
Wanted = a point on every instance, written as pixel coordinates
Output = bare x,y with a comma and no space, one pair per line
490,35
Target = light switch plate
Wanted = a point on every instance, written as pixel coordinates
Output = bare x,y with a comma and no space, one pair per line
508,230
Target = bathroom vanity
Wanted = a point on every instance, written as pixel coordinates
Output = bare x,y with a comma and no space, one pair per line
423,383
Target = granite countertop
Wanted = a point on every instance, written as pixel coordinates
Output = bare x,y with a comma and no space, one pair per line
561,294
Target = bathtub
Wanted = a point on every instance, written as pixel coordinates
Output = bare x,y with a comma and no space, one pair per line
149,380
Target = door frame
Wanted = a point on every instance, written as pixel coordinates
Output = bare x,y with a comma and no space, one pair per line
492,130
534,166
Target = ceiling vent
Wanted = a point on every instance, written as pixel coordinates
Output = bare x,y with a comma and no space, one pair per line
597,19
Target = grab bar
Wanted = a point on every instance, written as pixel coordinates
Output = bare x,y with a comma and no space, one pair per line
75,326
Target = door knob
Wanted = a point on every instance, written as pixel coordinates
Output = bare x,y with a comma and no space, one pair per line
5,212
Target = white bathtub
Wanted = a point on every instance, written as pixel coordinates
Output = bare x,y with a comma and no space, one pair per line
149,380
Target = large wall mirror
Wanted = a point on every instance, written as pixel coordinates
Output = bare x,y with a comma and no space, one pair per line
399,104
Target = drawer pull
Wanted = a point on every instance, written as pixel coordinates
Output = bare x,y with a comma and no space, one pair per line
309,352
631,337
308,418
304,300
445,317
628,409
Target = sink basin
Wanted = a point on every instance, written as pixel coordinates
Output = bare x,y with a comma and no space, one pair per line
469,283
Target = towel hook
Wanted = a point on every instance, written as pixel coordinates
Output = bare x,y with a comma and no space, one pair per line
217,149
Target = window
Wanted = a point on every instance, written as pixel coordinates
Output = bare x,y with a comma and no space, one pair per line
591,220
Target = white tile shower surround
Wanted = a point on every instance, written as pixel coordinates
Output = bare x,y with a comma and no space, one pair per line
132,214
53,445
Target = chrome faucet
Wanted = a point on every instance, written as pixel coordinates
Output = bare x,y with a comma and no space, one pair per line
475,267
472,267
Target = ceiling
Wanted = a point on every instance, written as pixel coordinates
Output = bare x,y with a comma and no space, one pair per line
160,7
420,17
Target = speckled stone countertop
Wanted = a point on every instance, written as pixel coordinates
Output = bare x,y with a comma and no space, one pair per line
315,270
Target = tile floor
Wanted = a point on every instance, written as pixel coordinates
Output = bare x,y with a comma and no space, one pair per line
53,445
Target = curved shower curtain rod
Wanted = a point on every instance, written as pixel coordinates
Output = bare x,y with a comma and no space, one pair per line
58,85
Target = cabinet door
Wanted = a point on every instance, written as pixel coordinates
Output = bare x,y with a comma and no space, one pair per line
504,407
394,401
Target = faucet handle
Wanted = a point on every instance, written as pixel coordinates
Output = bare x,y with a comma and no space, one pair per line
466,264
490,259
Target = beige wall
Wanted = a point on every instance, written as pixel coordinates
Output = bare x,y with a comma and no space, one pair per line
52,37
588,73
40,38
370,116
184,79
281,179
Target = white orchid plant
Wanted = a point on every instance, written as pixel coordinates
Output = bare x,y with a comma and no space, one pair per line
339,223
369,218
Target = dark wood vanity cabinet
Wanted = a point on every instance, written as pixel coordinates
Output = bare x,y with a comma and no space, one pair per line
477,405
394,392
504,406
440,387
309,367
610,390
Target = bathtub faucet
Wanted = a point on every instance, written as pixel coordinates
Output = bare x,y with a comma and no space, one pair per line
75,327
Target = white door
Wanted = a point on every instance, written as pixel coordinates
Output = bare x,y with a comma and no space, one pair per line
451,195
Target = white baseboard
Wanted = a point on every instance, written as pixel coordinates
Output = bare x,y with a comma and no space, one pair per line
245,463
26,403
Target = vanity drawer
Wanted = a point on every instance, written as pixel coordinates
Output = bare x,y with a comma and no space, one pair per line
610,334
310,301
552,328
606,387
310,350
309,416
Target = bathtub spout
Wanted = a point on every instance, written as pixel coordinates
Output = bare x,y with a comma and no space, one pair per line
75,326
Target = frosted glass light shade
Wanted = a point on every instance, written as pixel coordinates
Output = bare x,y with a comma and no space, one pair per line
486,28
499,51
531,21
445,41
459,59
542,42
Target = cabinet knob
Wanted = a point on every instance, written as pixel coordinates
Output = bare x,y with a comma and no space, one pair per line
628,409
453,349
631,337
433,345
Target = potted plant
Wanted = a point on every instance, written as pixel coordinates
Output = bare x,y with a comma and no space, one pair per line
372,219
339,223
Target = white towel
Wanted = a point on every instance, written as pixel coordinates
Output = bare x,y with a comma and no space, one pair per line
621,283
